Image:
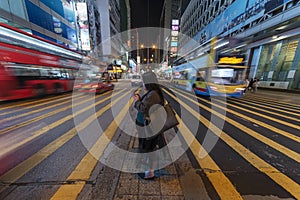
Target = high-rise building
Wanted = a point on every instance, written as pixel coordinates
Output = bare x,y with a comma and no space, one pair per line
81,25
53,20
267,32
170,20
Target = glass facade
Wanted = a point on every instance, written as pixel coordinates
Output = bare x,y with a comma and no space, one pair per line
16,7
53,20
279,63
266,61
274,60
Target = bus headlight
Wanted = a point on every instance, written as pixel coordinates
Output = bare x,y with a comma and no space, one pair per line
213,88
239,89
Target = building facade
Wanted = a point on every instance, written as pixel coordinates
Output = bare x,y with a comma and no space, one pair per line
80,25
266,31
169,20
111,11
53,20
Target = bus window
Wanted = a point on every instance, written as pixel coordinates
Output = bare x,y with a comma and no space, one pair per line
183,75
44,73
200,79
228,76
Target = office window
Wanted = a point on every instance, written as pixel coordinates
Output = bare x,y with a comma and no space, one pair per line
16,7
285,60
266,60
4,5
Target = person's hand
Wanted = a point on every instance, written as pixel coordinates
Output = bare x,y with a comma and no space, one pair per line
137,97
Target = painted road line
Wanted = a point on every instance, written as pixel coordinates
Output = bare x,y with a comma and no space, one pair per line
51,126
220,182
30,121
281,179
19,104
21,169
267,117
36,119
284,150
37,110
88,163
246,103
274,102
274,129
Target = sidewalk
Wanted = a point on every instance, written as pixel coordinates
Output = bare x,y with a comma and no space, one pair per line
177,181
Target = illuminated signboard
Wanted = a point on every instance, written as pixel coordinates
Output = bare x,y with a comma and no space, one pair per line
84,26
85,39
175,28
173,49
174,38
175,22
174,44
231,60
174,33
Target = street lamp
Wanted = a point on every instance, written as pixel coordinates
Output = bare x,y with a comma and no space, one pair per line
148,53
141,53
137,52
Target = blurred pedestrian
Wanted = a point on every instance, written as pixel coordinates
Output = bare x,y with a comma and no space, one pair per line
246,84
255,85
153,96
250,86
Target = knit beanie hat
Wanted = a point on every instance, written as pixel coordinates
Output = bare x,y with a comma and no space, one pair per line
149,77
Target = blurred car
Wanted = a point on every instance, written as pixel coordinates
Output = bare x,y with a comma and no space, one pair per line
136,80
95,86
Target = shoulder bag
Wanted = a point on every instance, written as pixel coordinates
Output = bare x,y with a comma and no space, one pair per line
171,120
162,118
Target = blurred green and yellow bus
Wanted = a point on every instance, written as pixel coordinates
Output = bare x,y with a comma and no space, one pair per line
226,77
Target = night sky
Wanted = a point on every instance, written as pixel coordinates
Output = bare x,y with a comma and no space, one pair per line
140,10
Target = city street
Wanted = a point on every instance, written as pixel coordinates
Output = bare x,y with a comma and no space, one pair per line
64,147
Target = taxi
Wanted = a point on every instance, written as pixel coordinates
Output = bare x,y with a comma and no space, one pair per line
95,86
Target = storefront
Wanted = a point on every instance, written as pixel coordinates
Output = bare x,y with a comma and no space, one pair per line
277,65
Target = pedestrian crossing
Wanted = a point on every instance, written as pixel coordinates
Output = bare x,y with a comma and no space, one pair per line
253,135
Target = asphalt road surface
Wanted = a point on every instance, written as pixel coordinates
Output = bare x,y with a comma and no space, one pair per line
60,146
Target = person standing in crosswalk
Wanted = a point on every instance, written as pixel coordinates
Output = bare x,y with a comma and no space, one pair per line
147,144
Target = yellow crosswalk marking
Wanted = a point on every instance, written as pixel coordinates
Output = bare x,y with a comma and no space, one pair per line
248,104
87,164
221,183
46,100
281,179
264,116
274,129
273,101
22,124
50,126
292,154
20,170
39,110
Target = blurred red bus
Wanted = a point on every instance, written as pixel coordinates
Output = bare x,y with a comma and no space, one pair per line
31,66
